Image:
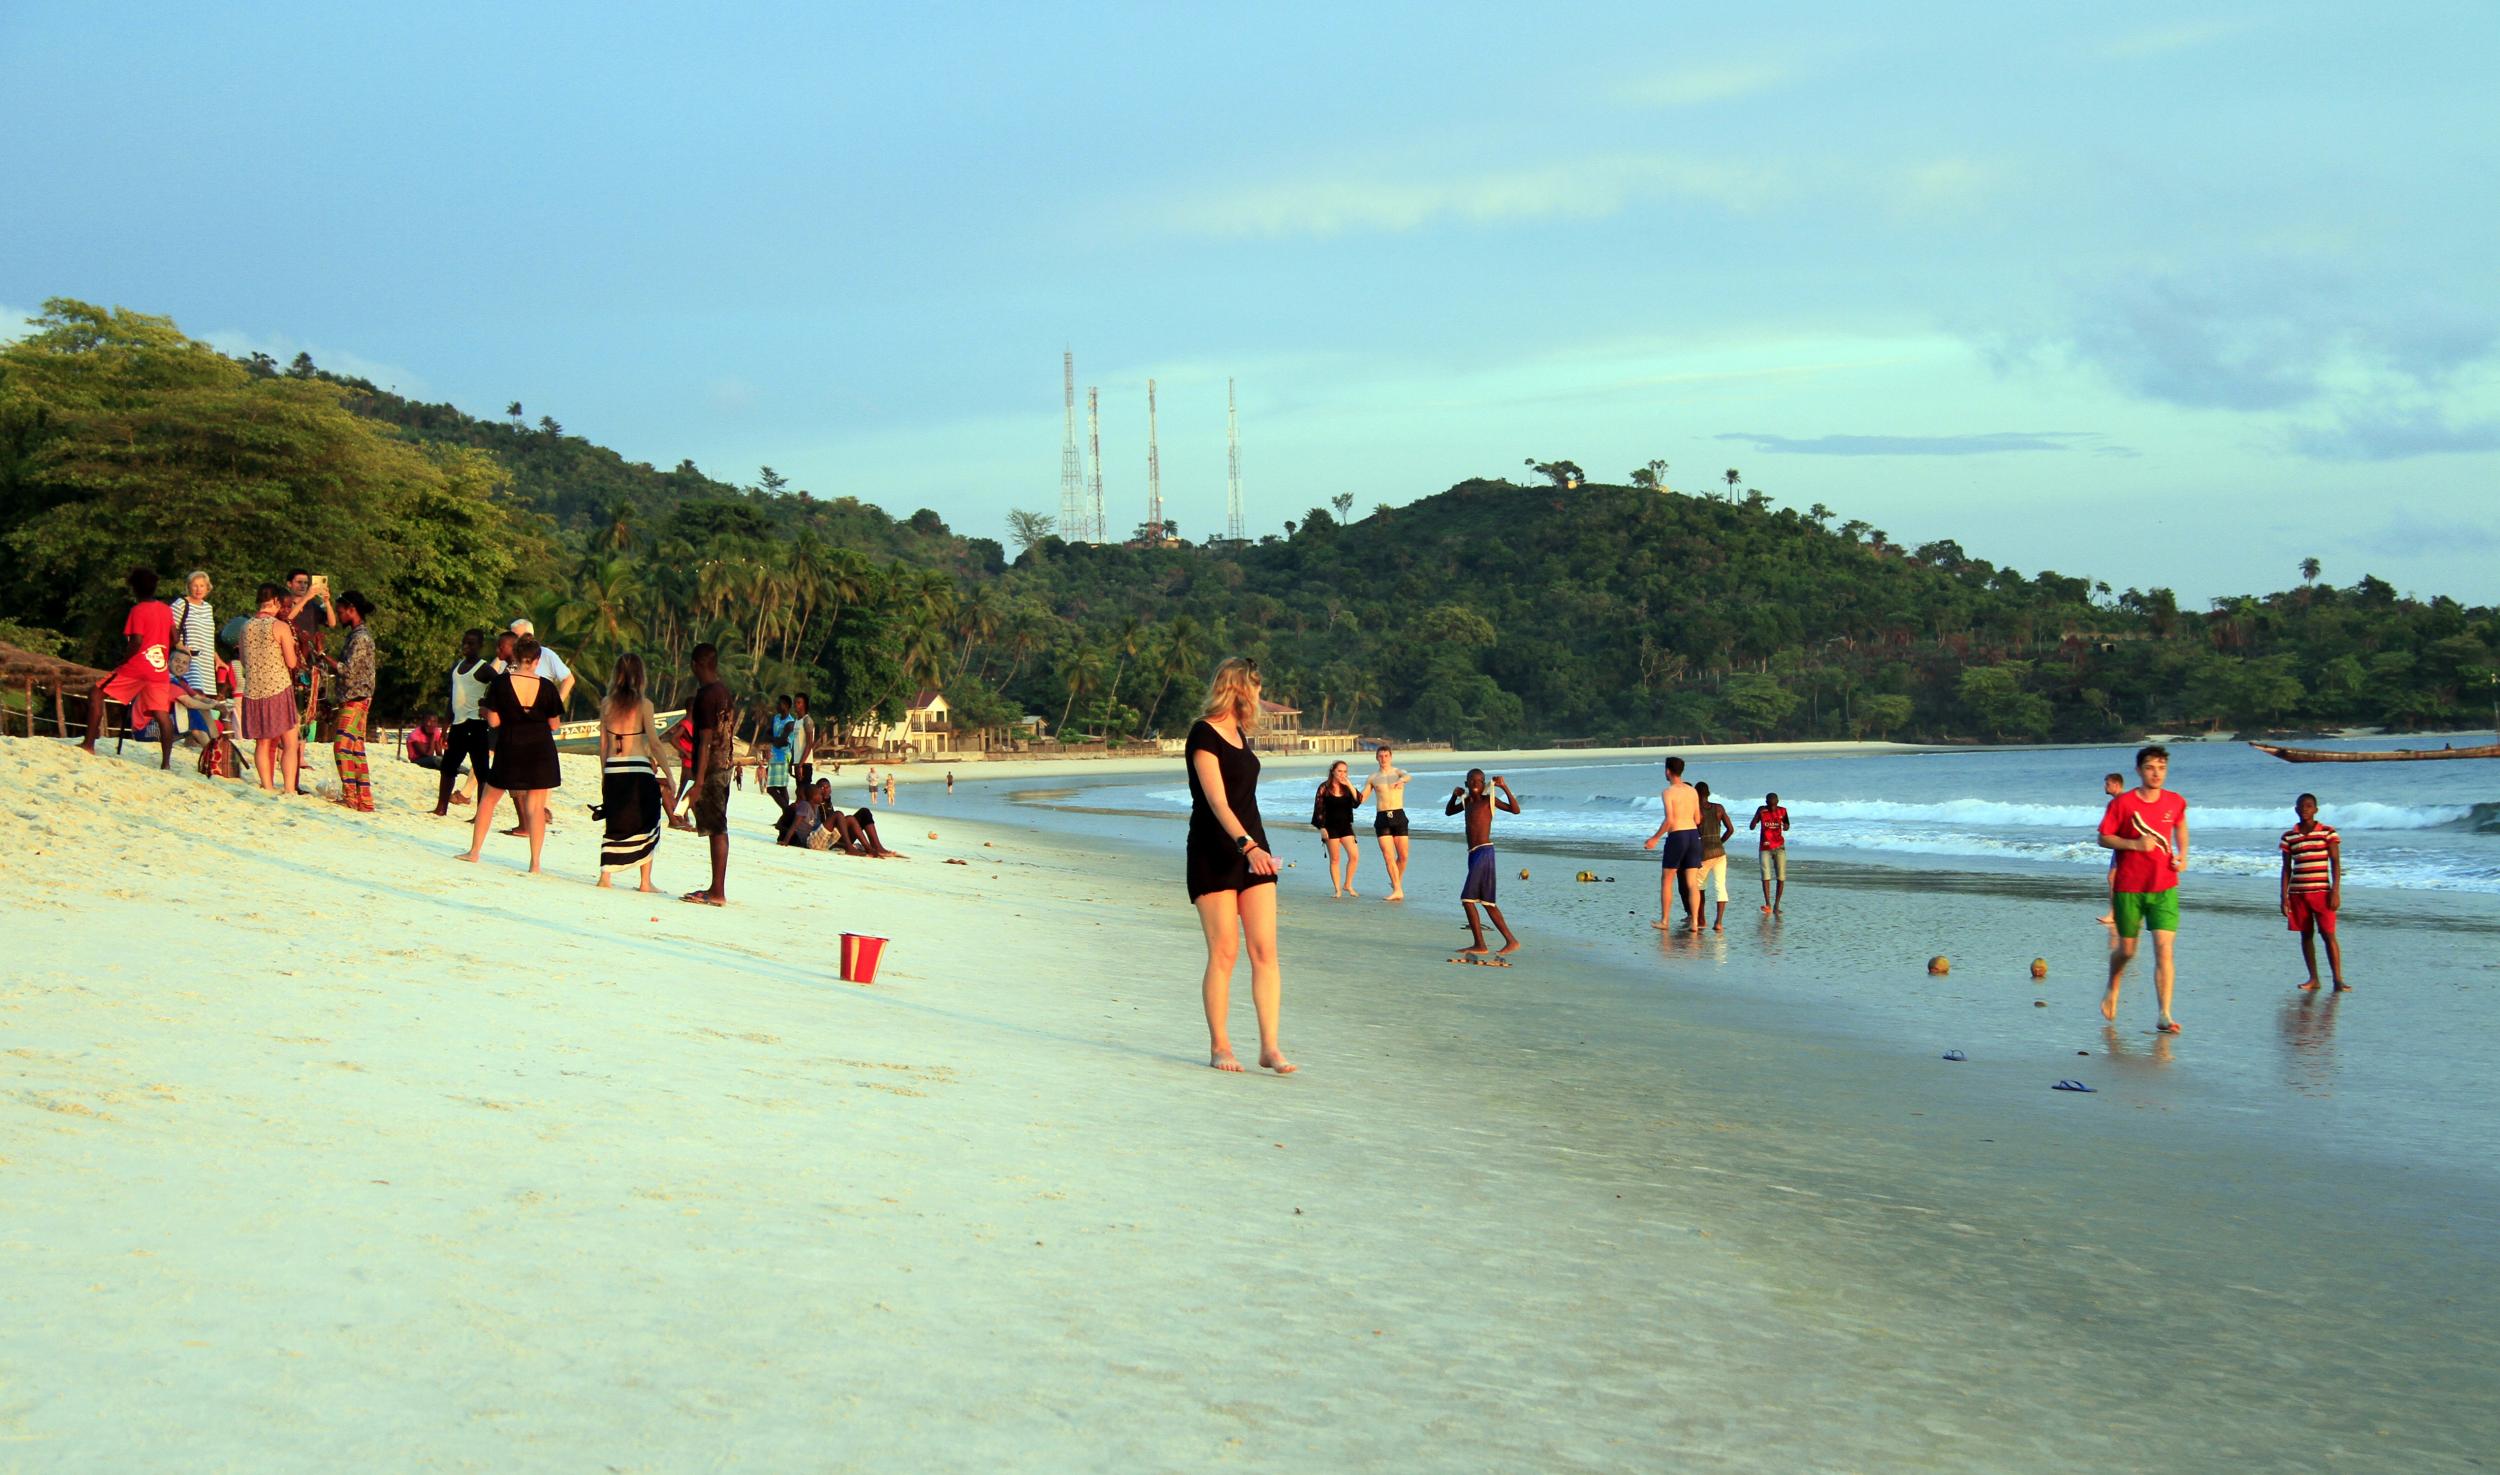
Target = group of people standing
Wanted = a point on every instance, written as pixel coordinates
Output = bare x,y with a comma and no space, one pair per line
172,674
1694,832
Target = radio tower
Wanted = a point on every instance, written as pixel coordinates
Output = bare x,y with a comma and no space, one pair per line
1232,467
1154,474
1093,436
1071,472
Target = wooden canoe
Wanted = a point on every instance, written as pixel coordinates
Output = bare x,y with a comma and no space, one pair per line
2398,755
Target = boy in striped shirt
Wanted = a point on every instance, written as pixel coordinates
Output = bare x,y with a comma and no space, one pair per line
2313,889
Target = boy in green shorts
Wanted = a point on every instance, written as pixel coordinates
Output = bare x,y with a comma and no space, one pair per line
2147,827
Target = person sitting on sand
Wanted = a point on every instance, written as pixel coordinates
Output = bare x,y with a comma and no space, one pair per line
425,743
1333,813
1478,892
2312,889
2112,785
1716,828
801,819
1679,864
2148,828
144,681
1386,788
1771,818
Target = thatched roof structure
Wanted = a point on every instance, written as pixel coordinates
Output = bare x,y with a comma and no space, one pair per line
19,666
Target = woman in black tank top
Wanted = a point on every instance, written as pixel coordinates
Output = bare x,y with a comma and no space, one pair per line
1333,812
1231,876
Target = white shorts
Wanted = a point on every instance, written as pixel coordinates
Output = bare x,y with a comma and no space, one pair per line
1713,873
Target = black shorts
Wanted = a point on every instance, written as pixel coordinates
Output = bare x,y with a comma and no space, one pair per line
1389,822
1337,831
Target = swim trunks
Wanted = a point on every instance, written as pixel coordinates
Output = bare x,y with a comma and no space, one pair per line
2308,907
1682,852
2134,911
1479,885
1389,822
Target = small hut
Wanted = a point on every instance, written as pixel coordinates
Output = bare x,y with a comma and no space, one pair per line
24,671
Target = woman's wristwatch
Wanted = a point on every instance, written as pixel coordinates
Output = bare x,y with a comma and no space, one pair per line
1242,843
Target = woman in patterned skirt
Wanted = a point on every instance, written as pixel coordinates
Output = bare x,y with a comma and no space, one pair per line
270,718
634,787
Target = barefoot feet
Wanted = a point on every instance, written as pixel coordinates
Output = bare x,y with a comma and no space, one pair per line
1223,1060
1274,1060
2109,1004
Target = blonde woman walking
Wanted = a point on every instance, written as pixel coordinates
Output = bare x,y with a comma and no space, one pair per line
634,791
1231,874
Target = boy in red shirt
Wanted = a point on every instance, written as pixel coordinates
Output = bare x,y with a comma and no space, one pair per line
145,678
2313,889
2147,826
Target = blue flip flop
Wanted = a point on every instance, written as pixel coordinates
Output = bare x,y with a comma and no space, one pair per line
2070,1086
1955,1055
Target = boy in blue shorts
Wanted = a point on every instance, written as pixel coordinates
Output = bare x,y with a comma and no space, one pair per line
2147,826
1478,802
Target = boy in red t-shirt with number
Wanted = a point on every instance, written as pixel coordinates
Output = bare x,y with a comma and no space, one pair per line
2147,826
1771,818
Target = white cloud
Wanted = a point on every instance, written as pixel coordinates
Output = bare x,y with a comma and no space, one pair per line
1579,189
1696,86
15,322
2177,36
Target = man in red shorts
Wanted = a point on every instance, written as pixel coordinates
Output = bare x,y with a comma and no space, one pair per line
2147,826
145,678
2313,889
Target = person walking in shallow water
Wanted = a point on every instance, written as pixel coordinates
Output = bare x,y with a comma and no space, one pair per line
1771,818
1386,788
1230,873
1679,865
2148,827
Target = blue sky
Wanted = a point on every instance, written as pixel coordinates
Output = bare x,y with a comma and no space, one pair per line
2161,295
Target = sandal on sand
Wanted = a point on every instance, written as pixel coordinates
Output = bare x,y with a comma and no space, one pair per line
1955,1055
700,898
2070,1086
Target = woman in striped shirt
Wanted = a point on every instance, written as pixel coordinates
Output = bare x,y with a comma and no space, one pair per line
2313,889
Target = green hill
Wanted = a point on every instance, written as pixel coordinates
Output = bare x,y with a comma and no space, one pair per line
1490,612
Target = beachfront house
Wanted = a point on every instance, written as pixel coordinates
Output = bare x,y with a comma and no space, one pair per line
927,729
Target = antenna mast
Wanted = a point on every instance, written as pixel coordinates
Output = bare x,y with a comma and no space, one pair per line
1093,435
1232,467
1071,473
1154,474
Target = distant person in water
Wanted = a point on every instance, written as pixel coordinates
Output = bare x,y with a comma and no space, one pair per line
1716,829
2112,785
1229,871
1477,894
1386,788
1333,812
889,788
1679,864
144,681
950,781
2147,826
1771,818
2312,889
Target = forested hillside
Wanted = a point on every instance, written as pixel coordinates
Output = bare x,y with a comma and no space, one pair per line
1487,613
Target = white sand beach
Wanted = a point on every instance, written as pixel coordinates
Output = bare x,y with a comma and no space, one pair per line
321,1151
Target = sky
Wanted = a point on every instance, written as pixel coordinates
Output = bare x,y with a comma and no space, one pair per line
2158,294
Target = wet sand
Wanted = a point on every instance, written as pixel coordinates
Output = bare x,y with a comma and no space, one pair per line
323,1150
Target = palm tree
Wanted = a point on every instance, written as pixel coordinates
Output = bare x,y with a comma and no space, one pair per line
1733,477
1080,666
1184,651
1125,639
2310,568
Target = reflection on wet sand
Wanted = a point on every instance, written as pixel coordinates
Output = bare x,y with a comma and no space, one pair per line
2306,1026
2148,1049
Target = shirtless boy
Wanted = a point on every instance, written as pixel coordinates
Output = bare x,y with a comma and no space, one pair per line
1387,789
2147,826
1679,865
1479,802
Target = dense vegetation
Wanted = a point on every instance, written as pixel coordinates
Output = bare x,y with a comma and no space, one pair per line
1487,613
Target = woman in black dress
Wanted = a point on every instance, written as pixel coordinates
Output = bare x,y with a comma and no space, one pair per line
1333,812
523,711
1232,877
